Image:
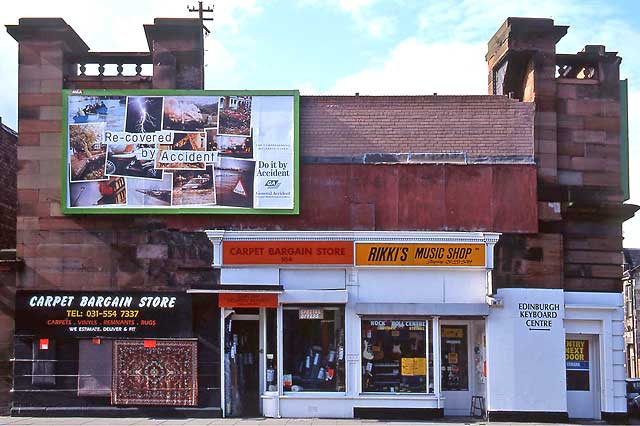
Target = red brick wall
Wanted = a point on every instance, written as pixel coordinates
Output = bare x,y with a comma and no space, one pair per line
8,160
356,125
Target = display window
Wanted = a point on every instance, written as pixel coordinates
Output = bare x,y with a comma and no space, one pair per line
313,343
394,355
577,363
455,357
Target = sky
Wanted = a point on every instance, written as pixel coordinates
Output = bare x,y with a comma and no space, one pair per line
381,47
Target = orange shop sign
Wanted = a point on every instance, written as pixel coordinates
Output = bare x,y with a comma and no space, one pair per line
287,252
415,254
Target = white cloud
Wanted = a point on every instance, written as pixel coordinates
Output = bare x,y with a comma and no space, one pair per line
220,64
364,15
232,13
414,67
380,26
354,6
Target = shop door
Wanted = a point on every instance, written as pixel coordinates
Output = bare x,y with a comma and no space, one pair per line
454,367
583,387
242,364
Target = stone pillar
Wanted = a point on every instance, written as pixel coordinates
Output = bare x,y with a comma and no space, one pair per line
44,45
177,46
530,45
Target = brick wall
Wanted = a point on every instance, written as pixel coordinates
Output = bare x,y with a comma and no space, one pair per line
355,125
8,154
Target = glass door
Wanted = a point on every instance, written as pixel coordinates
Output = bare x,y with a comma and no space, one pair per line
455,367
583,389
242,365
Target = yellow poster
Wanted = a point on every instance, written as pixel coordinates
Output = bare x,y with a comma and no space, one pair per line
420,366
449,332
407,366
414,254
452,357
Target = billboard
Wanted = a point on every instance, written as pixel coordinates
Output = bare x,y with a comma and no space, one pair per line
180,151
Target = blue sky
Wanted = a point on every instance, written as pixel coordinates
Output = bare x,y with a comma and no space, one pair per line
348,46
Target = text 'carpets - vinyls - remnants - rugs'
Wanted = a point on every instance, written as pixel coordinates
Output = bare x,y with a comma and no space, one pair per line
164,373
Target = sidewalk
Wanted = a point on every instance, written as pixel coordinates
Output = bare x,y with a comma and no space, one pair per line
93,421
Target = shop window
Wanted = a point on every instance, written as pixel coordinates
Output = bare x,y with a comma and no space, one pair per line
577,362
313,356
455,358
394,356
94,367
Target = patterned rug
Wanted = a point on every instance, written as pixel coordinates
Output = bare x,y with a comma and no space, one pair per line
166,374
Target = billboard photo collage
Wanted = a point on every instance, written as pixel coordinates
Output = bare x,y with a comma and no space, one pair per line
161,151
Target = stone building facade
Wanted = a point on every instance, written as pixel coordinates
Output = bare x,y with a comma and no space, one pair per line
532,168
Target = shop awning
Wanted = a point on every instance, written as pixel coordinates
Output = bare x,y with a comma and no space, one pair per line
440,309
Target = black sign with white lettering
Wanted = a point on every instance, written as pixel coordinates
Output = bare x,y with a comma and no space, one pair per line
102,314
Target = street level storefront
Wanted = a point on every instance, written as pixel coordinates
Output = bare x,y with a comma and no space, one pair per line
98,352
344,324
388,324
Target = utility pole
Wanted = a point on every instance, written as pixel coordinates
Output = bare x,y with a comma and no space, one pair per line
201,11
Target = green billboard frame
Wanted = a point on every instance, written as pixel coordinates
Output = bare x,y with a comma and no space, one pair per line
191,210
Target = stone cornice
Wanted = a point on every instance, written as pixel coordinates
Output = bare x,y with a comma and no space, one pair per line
357,236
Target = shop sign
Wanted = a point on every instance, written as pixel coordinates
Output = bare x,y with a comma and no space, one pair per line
415,254
197,151
538,316
287,252
394,325
456,333
309,313
577,355
107,314
248,300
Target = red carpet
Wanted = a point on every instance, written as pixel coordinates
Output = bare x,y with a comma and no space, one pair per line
166,374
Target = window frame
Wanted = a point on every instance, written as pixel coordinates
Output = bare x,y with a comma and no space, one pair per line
311,393
429,327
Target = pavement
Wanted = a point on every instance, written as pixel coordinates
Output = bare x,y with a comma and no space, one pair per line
94,421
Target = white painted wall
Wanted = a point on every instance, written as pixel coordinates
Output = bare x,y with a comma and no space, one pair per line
250,276
313,279
388,285
525,368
